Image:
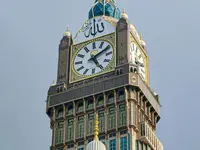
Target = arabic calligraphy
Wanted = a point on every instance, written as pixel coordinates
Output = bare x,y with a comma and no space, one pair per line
93,28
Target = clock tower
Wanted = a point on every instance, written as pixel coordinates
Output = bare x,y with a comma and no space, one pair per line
103,69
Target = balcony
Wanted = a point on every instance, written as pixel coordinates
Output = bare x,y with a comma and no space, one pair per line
148,136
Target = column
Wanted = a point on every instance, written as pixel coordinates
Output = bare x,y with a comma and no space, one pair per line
54,127
65,125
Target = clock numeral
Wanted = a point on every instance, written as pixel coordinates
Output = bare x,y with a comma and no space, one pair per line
86,49
93,71
80,55
94,45
100,66
140,56
143,71
136,49
102,43
142,76
106,60
80,68
78,62
109,53
108,47
86,70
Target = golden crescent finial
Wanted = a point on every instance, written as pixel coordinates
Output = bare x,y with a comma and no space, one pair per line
124,11
96,128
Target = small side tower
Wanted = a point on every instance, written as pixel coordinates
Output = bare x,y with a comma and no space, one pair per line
63,60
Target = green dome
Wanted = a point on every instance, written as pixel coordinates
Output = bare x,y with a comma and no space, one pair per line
105,7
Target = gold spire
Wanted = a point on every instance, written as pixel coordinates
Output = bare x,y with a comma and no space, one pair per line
124,15
67,33
96,128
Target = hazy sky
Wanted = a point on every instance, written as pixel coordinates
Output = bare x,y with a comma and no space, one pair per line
30,32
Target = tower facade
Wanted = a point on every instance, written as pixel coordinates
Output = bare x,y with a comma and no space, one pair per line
103,69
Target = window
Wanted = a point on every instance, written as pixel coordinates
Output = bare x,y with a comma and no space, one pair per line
112,144
139,116
80,107
112,135
81,143
70,146
90,124
131,69
121,96
142,129
90,104
60,148
102,139
59,113
150,115
111,118
123,132
59,133
140,145
137,145
59,89
101,121
70,109
100,101
80,127
122,115
123,143
70,129
110,98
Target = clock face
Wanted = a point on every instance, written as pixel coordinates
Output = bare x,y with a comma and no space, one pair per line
138,59
93,58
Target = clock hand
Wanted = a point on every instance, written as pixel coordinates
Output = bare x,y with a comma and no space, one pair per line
97,63
107,48
95,56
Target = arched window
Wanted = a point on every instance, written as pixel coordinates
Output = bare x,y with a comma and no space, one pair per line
123,143
98,9
131,69
122,115
80,107
70,109
111,118
59,113
70,129
80,132
121,95
110,98
112,144
59,133
90,104
100,101
90,124
101,121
